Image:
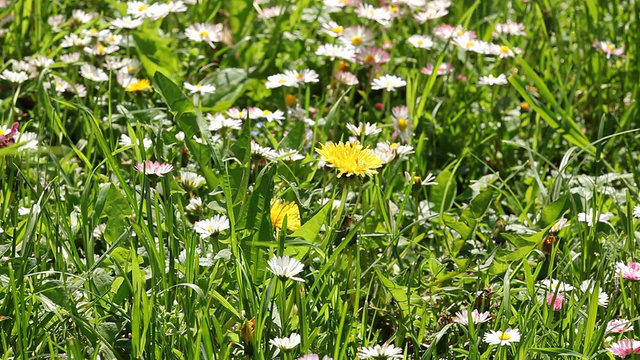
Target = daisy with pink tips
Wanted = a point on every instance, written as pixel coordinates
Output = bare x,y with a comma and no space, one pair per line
149,167
630,270
609,48
624,347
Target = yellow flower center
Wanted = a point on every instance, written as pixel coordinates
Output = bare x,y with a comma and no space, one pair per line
393,9
111,39
266,112
420,42
143,7
199,86
299,76
101,49
504,49
394,146
282,80
504,336
93,31
290,100
131,69
470,43
610,47
369,59
2,132
402,124
356,41
337,29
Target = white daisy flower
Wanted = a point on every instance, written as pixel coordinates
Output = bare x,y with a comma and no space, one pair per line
191,180
278,80
492,80
15,77
332,29
211,226
336,51
286,343
137,9
125,140
98,231
590,216
555,285
195,205
588,286
364,128
387,82
204,32
357,37
201,89
379,352
74,40
502,338
462,317
285,267
93,73
420,41
346,78
126,22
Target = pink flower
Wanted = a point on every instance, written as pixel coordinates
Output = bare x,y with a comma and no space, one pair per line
609,48
630,271
618,326
154,168
625,347
444,68
555,299
7,138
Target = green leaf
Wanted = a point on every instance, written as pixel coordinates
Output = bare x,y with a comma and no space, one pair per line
255,213
310,229
479,205
406,299
116,208
153,50
240,14
177,101
102,280
552,212
294,138
444,193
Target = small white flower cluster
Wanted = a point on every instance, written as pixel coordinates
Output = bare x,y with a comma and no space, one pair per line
292,78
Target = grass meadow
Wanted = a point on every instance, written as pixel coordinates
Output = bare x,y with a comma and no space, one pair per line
319,179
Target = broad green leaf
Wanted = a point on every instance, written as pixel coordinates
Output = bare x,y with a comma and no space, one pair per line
294,138
310,229
552,212
479,205
255,213
175,98
443,194
153,50
406,299
116,208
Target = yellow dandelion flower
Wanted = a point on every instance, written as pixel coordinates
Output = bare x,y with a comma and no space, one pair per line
140,85
350,158
281,209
